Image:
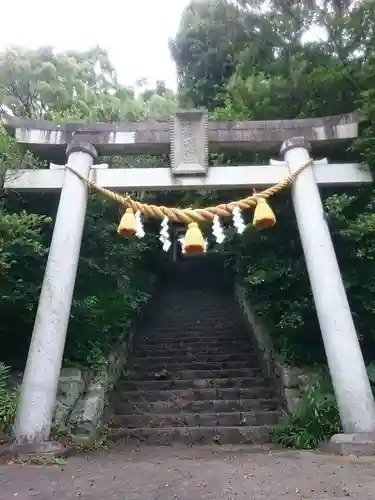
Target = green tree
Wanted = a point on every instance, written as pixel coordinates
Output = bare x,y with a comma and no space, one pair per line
114,275
276,74
69,85
211,35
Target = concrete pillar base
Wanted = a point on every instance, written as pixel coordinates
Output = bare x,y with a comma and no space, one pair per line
27,451
359,444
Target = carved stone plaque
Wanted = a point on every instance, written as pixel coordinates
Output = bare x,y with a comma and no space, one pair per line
189,143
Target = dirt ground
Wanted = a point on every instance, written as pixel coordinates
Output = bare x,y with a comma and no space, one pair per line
177,473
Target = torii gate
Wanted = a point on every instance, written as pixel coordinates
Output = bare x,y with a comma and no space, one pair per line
188,140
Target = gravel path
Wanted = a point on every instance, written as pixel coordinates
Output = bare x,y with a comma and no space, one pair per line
209,473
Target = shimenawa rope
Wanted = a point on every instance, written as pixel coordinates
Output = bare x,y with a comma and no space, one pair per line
188,215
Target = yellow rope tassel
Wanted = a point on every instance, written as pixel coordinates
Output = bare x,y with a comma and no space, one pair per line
263,215
128,224
194,241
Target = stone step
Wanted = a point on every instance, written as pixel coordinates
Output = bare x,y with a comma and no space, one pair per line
214,406
208,338
196,374
198,307
157,420
195,350
218,383
213,307
181,305
194,435
188,326
182,396
179,366
178,300
156,336
204,303
212,389
200,341
204,341
193,317
164,360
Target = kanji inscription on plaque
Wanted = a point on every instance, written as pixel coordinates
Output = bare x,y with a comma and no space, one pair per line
189,151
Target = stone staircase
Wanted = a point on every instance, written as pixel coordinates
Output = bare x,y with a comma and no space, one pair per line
195,376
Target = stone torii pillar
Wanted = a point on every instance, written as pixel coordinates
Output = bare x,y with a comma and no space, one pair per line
39,386
351,384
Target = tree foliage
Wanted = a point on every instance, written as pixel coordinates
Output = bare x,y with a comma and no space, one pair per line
280,68
115,276
73,85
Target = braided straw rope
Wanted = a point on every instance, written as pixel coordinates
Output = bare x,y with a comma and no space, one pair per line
187,215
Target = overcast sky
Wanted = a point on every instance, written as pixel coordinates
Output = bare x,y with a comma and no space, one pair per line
135,32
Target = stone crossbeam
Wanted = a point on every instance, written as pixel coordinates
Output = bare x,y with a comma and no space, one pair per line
157,179
45,137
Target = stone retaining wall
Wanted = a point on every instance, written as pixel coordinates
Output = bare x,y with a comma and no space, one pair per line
290,381
82,396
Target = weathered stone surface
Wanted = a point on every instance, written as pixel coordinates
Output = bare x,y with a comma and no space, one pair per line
62,413
179,403
71,386
173,360
189,395
361,444
202,419
153,137
293,398
197,374
82,397
293,381
86,418
290,376
305,379
194,435
41,450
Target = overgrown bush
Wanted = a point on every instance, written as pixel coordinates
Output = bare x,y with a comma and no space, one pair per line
316,419
8,402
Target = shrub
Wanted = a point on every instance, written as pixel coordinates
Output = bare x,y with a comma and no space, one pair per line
316,419
8,402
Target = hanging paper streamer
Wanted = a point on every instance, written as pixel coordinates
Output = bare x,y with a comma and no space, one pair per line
139,224
164,234
217,230
238,220
181,241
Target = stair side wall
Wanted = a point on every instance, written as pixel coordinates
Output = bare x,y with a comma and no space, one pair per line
290,381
